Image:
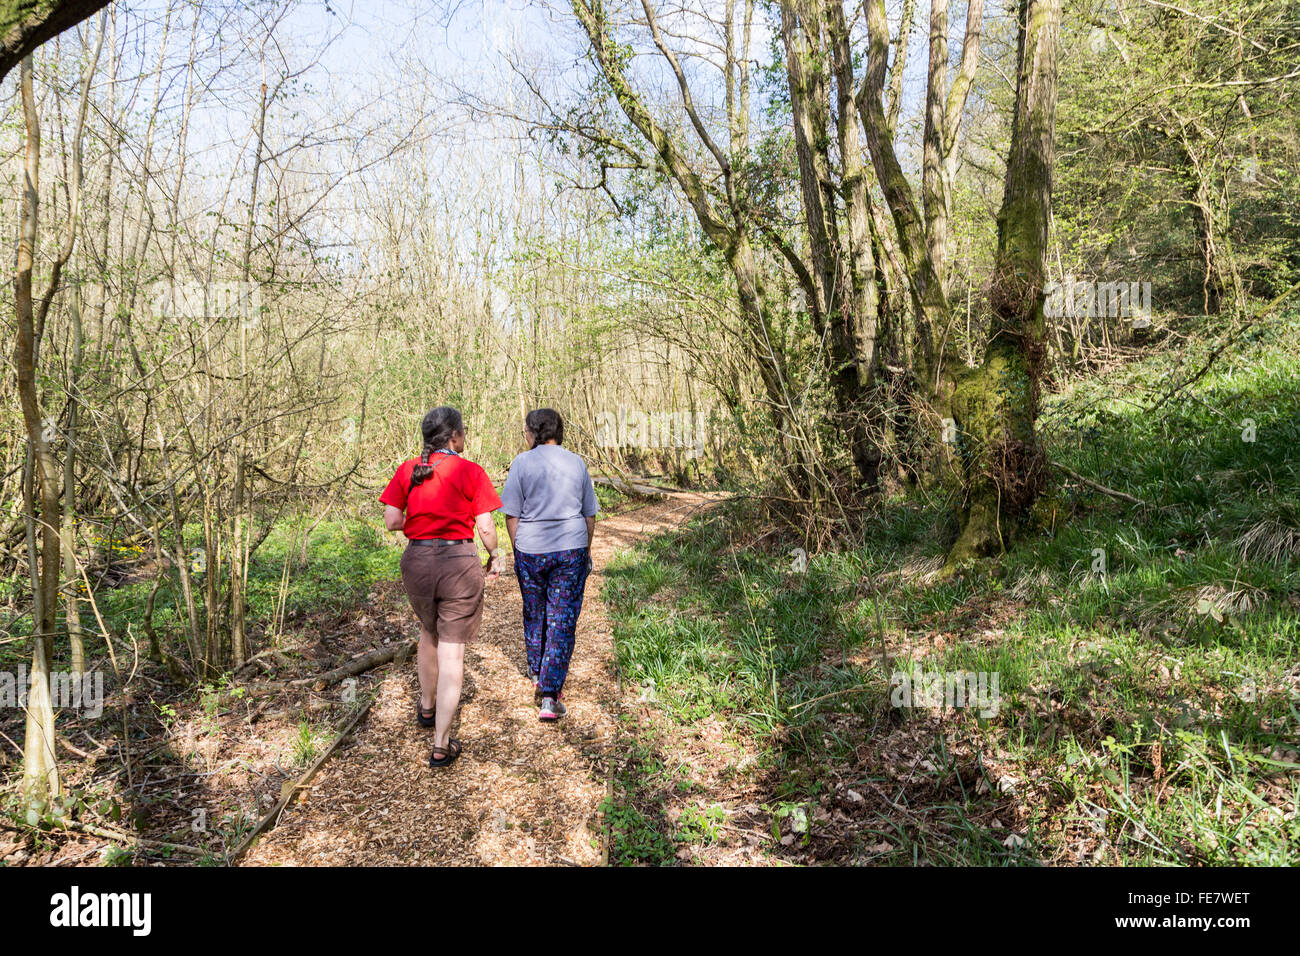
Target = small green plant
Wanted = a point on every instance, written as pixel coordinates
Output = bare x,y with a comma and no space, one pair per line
304,746
701,824
633,838
794,816
210,701
114,855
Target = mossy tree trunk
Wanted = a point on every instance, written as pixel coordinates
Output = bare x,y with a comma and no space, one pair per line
26,24
921,228
995,406
843,300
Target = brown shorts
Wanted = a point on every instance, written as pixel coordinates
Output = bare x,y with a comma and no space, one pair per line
445,585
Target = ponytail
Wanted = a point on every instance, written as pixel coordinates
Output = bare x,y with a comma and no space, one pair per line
423,470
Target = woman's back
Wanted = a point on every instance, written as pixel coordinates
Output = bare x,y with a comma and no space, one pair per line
445,503
550,491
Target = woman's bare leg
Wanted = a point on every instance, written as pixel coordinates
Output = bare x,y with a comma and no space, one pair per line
451,668
427,668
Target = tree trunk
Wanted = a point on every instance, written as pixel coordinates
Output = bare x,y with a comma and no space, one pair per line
844,304
238,545
72,612
26,24
238,639
996,405
922,232
40,768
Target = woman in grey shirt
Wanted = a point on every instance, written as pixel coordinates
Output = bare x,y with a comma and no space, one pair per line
550,507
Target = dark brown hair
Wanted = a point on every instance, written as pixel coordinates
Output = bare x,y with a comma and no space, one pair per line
545,424
438,427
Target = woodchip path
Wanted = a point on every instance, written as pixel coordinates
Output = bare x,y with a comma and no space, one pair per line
524,792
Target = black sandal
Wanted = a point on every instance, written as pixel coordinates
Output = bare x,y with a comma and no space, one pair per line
449,753
422,720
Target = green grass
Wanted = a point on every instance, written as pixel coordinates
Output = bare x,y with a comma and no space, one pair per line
1146,656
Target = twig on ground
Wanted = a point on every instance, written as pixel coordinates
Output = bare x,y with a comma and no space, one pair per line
1098,486
75,826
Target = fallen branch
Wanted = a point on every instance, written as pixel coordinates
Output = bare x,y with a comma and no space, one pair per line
75,826
73,749
366,662
628,487
359,666
256,660
1098,486
288,790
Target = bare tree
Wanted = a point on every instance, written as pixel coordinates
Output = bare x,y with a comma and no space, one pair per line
40,767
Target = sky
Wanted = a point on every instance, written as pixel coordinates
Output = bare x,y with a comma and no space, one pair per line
376,71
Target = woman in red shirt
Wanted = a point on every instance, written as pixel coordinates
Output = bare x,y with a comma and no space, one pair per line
437,500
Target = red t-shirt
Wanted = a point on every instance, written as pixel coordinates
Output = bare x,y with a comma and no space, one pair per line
446,503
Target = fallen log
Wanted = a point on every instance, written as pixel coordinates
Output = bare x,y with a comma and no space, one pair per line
398,651
380,655
629,487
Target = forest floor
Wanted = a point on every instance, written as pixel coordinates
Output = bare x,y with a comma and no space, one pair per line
524,792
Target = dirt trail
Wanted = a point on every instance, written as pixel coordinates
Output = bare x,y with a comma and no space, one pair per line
524,792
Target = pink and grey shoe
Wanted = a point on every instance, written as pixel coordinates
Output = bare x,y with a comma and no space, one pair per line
552,709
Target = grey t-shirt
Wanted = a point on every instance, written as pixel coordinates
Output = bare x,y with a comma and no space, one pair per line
549,491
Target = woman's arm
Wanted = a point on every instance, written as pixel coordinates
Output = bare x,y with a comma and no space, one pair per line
394,518
512,526
487,533
589,504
